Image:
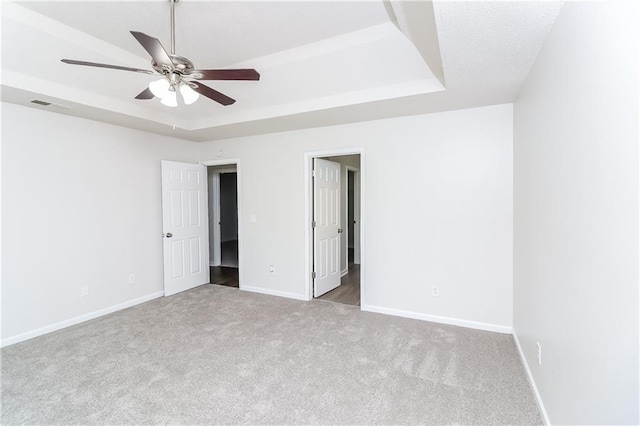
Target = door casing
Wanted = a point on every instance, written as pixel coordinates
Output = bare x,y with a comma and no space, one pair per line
231,162
308,199
214,211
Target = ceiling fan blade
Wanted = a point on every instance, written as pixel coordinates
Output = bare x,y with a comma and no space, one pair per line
154,48
145,94
95,64
232,74
221,98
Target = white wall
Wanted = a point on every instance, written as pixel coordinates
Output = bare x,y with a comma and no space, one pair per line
576,217
81,206
438,194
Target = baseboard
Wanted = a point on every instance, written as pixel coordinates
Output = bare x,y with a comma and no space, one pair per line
545,417
344,272
274,292
77,320
436,318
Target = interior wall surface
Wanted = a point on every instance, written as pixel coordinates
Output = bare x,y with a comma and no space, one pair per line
437,209
576,216
81,207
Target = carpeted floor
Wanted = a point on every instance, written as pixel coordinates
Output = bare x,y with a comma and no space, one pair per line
219,355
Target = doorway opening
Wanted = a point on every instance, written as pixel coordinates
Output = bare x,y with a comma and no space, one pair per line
334,209
223,225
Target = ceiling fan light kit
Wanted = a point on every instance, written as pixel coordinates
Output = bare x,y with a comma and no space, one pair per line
189,95
159,88
170,99
166,91
175,71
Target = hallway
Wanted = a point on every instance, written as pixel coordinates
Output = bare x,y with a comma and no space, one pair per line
348,293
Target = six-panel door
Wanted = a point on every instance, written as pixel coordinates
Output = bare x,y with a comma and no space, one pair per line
185,226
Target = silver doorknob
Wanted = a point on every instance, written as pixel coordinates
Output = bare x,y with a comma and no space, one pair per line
168,235
340,230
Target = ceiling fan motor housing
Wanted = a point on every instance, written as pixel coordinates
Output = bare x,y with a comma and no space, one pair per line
181,65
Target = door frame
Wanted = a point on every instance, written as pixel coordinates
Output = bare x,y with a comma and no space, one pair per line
231,162
214,194
308,215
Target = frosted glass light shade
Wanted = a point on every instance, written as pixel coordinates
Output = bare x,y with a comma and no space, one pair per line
170,99
159,88
188,94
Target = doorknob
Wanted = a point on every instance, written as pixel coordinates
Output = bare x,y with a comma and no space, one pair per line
168,235
340,230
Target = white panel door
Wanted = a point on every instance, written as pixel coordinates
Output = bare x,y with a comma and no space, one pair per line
185,226
326,217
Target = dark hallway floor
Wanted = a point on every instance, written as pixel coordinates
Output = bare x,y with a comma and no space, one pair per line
227,273
223,275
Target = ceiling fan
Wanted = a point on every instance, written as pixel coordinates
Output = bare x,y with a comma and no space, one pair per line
177,72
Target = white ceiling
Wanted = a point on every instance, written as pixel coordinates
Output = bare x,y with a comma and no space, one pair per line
321,62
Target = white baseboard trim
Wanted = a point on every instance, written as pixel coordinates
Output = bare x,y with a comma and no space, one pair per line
436,318
543,411
274,292
77,320
344,272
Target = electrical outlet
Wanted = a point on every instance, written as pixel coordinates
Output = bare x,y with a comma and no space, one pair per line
539,353
132,278
272,269
435,291
84,290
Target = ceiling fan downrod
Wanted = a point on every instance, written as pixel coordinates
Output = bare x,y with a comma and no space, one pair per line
180,66
173,26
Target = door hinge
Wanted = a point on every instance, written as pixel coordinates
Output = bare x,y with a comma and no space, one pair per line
313,173
313,275
313,224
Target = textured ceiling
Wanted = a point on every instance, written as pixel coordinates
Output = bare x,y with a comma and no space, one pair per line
492,43
321,62
215,33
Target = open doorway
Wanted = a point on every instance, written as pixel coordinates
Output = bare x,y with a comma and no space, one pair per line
353,215
223,225
334,207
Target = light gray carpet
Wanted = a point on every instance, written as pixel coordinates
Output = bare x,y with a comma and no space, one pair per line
219,355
